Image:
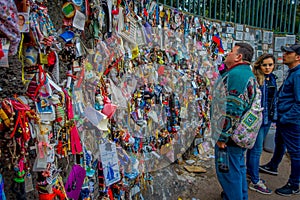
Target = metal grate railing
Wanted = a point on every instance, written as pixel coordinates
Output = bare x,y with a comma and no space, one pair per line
280,16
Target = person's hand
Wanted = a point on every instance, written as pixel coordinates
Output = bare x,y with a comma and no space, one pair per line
221,145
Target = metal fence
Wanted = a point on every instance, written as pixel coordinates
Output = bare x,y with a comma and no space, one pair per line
279,16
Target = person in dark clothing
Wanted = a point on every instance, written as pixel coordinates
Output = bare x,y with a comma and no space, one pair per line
287,136
263,69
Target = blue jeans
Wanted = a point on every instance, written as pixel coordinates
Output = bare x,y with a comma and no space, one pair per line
253,155
234,182
287,136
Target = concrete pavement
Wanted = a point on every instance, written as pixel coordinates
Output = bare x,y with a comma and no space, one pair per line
175,183
274,182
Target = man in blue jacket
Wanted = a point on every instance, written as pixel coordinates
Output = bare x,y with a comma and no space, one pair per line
288,124
233,94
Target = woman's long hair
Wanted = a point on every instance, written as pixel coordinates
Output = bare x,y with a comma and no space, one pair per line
260,76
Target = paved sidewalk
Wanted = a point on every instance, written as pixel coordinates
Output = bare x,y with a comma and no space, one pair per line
274,182
176,183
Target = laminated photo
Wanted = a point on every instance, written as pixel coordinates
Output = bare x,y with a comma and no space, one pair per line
239,27
267,37
4,46
247,36
109,159
23,22
258,35
290,39
239,35
79,20
280,57
230,30
43,106
279,41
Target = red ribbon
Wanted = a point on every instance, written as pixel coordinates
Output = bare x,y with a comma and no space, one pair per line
75,140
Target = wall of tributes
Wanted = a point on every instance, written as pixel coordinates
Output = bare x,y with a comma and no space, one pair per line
96,95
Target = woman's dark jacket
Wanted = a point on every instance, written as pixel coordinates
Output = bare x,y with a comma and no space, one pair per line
270,111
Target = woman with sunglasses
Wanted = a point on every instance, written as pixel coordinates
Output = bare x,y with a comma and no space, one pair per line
263,70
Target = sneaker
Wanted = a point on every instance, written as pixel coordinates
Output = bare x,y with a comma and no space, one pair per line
287,190
260,187
249,179
268,170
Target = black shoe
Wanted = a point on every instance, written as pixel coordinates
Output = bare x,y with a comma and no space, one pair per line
287,190
268,170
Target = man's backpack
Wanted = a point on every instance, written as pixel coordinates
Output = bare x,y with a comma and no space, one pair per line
246,129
